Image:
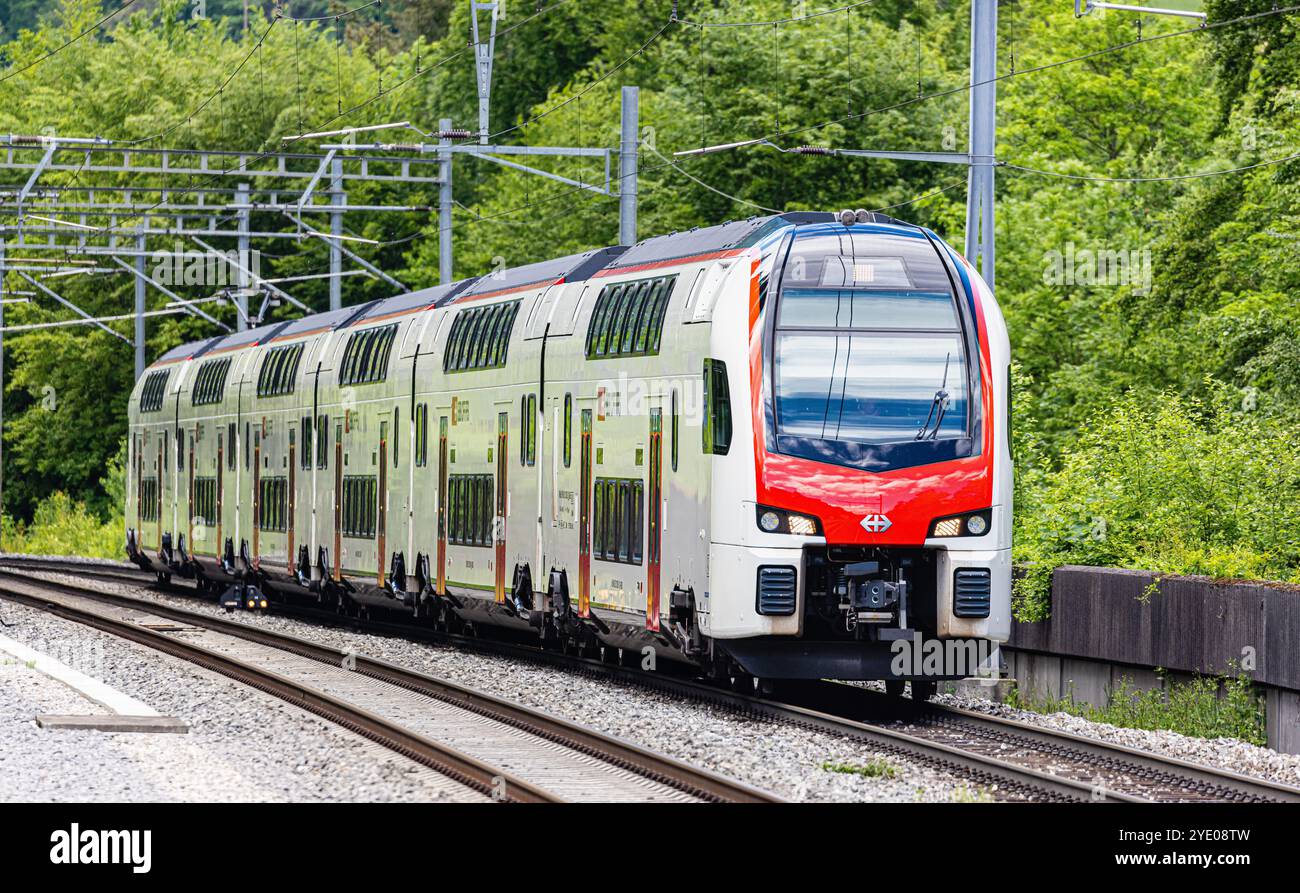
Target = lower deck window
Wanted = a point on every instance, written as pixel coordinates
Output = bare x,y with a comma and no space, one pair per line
149,499
618,520
273,504
360,506
204,509
470,509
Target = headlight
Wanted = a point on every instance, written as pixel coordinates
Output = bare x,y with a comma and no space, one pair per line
969,524
772,520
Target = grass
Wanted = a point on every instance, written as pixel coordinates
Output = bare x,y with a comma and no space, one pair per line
872,769
1205,707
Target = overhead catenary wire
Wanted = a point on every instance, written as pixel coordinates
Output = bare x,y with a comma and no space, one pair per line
70,41
1204,27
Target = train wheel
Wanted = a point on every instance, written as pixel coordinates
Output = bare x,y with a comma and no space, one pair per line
894,687
924,691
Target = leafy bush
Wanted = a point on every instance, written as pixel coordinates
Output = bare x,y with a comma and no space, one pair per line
61,526
1163,483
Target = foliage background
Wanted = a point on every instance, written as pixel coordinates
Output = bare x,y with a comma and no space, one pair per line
1155,420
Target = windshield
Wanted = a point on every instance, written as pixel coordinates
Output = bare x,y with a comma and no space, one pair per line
869,347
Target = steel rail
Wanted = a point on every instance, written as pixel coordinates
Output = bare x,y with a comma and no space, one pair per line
700,783
461,767
829,716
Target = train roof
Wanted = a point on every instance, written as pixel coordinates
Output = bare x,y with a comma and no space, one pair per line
658,251
572,268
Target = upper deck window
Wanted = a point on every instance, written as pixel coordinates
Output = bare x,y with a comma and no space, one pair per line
365,359
210,383
480,338
155,387
279,372
629,318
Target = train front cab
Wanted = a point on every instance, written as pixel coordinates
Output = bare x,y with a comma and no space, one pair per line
871,472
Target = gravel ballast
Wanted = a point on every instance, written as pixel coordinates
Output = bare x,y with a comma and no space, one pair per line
1231,754
791,762
243,745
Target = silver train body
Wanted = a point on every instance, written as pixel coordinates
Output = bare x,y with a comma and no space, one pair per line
614,448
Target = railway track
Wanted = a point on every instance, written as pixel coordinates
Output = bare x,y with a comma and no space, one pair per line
493,746
1013,760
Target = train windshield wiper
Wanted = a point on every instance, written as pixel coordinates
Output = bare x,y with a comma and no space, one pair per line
938,406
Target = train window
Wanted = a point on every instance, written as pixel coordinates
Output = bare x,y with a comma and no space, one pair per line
657,314
643,321
618,520
596,327
360,501
629,318
532,429
673,435
365,359
618,319
568,430
717,408
636,512
487,343
155,387
180,450
523,430
421,423
396,440
204,510
598,519
480,338
304,435
248,451
149,499
210,382
230,446
322,441
273,494
469,509
279,372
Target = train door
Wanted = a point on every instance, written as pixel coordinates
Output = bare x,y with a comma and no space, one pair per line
189,502
338,502
161,479
293,480
442,505
499,524
256,478
584,517
381,527
654,500
221,493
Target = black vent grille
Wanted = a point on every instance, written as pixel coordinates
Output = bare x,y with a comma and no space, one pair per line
972,591
777,590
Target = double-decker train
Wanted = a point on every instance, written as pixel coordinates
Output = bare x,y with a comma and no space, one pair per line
776,448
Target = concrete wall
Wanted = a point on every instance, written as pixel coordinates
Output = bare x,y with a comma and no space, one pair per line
1102,629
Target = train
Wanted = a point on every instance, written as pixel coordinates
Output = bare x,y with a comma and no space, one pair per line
776,448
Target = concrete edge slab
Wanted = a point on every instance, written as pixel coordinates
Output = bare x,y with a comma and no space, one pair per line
111,722
93,689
